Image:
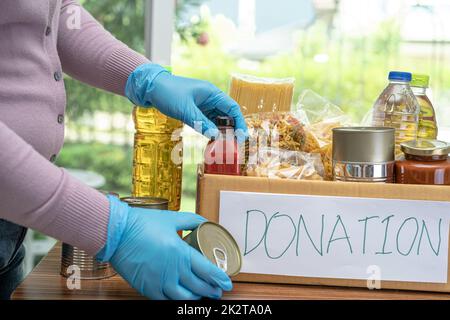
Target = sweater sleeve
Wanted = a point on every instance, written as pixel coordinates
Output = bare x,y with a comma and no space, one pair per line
91,54
37,194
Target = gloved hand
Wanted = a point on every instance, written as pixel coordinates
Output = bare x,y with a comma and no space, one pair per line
144,248
195,102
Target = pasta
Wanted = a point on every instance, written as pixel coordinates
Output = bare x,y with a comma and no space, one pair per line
256,94
284,164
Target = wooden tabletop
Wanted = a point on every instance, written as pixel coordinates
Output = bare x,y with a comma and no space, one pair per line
45,282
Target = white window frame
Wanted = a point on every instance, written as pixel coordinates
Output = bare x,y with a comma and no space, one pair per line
159,28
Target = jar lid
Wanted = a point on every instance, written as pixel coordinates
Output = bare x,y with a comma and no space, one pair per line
425,147
363,144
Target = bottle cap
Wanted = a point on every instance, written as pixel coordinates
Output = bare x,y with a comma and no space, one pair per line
400,76
224,121
425,147
420,80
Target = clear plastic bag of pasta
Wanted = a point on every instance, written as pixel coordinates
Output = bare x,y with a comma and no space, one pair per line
283,130
320,116
275,163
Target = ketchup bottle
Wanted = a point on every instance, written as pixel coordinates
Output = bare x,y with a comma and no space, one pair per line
222,153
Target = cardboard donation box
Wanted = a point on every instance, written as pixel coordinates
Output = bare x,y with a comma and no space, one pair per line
387,236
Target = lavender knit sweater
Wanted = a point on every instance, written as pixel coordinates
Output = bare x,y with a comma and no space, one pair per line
38,40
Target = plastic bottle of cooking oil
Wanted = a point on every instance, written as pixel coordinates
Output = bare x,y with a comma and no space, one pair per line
398,108
157,161
427,117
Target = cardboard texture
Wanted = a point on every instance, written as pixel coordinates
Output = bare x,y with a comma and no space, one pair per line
208,194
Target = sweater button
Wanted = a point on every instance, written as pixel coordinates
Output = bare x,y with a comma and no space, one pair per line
53,158
57,75
60,118
48,30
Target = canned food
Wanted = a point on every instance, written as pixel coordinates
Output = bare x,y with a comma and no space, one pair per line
218,245
90,268
147,202
363,154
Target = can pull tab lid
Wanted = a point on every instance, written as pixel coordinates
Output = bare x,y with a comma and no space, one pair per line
221,259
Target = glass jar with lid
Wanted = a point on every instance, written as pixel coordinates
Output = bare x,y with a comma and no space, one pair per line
425,162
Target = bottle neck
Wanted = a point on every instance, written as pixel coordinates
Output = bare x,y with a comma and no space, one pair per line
226,129
225,133
419,91
399,82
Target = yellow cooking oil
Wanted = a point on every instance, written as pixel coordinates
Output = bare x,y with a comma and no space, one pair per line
157,159
428,128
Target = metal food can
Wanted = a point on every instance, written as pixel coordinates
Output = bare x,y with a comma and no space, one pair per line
147,202
364,154
89,267
218,245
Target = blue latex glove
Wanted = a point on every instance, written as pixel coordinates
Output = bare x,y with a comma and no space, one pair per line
144,248
195,102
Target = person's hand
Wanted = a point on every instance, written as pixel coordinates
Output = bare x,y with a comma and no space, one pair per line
195,102
144,248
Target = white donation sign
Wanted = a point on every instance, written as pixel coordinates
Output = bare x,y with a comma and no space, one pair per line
339,237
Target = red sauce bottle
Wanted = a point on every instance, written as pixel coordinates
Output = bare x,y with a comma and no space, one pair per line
222,153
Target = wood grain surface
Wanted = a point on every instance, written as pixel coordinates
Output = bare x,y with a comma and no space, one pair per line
45,282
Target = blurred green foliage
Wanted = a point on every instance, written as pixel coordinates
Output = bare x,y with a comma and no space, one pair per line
113,162
125,20
185,27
